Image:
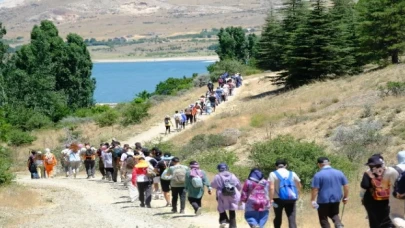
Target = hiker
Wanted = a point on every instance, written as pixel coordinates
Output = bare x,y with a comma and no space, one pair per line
141,179
183,119
231,87
129,167
89,160
282,181
255,195
196,179
65,162
177,183
100,160
202,104
74,159
228,189
194,112
189,116
225,93
374,196
219,92
210,86
238,80
31,165
50,162
39,163
327,191
156,180
213,101
168,124
393,178
220,81
116,155
128,153
177,119
162,169
108,163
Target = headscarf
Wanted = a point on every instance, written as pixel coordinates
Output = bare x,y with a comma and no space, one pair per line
255,175
222,167
142,164
401,157
195,170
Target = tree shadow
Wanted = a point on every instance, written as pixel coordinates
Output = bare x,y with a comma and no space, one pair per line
274,92
183,216
122,202
163,213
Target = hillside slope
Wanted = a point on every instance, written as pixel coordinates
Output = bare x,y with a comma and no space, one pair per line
131,18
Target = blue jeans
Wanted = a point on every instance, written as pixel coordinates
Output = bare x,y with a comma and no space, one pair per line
255,218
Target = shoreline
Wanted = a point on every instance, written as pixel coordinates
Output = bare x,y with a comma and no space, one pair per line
191,58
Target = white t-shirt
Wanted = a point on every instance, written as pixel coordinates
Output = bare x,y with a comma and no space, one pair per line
226,89
391,176
107,159
178,116
284,173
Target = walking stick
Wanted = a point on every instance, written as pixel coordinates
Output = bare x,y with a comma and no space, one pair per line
343,211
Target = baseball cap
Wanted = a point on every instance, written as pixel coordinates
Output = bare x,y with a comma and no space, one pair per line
281,163
373,161
175,159
323,160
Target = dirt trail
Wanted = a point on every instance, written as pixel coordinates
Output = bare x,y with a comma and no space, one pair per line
157,131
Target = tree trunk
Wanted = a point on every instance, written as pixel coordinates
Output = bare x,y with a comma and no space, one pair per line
395,57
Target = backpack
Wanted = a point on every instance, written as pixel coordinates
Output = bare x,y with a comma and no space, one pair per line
197,182
229,188
150,172
399,186
258,196
378,192
167,121
130,162
179,175
288,191
177,118
50,160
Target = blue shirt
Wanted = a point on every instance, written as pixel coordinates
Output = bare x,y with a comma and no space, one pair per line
329,182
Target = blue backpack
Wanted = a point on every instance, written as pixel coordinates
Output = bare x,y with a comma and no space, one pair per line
288,192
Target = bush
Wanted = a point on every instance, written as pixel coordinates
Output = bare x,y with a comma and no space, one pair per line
92,111
135,111
200,143
37,121
6,176
19,138
173,85
301,157
108,118
360,140
5,129
201,80
231,66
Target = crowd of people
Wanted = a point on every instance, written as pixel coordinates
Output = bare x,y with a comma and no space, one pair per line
154,175
207,103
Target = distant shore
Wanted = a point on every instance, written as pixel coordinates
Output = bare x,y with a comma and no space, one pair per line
186,58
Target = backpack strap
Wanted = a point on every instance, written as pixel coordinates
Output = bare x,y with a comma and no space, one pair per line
399,170
278,176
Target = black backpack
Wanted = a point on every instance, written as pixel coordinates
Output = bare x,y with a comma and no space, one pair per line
229,188
399,186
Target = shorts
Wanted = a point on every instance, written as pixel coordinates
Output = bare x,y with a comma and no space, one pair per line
213,104
165,184
156,180
167,127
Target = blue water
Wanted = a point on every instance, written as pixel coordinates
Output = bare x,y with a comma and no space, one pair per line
120,82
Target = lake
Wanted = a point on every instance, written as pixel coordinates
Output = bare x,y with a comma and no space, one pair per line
120,82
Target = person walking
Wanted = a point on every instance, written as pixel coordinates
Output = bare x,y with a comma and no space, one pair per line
65,159
196,179
31,165
228,189
396,202
188,112
168,124
327,191
129,168
39,163
74,159
101,167
108,163
116,155
141,179
177,119
283,180
162,169
374,196
89,160
255,195
50,162
178,184
213,101
210,86
183,120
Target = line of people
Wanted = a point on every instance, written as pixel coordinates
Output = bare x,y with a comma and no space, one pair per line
205,104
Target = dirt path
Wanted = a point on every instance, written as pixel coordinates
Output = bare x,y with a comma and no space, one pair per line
96,203
158,130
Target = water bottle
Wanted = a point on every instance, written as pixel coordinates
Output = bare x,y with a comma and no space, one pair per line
315,205
275,205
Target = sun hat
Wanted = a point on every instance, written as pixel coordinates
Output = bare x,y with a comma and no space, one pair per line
401,157
374,161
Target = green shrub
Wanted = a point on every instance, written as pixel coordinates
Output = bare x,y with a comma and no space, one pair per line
18,138
108,118
301,157
135,111
173,85
5,129
200,143
258,120
396,88
6,176
37,121
92,111
231,66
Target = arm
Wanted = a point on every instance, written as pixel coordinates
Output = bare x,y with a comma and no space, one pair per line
187,182
207,182
271,190
133,177
345,193
315,189
314,194
245,192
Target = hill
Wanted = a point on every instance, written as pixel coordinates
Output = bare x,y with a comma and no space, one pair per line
103,19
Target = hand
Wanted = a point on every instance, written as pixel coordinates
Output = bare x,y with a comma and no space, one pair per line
345,200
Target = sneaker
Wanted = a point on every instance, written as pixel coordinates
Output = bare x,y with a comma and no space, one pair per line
156,197
74,175
223,225
142,205
92,176
168,205
174,210
148,206
88,177
182,212
198,212
103,178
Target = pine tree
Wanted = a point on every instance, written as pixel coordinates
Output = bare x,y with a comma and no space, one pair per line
382,29
232,44
3,50
270,46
